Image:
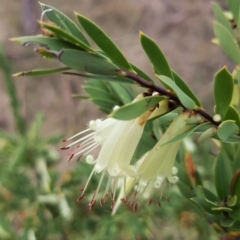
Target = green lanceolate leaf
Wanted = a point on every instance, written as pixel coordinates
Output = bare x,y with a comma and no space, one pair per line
188,132
227,42
141,73
184,87
235,186
227,129
236,162
234,6
185,190
236,74
18,155
231,139
136,108
235,214
235,226
232,114
103,103
221,18
62,21
102,77
156,56
208,133
226,221
53,44
222,209
223,175
223,91
86,62
64,35
229,149
103,41
231,201
203,204
184,99
37,72
108,102
209,195
238,23
12,93
46,53
95,92
121,92
95,83
235,97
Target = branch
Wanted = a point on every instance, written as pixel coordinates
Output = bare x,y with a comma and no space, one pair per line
150,85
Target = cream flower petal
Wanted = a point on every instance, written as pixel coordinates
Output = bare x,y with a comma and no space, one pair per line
156,169
117,141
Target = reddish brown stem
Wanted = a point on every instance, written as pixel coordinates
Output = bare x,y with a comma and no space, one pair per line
162,91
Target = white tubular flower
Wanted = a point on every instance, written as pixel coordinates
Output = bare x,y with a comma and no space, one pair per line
157,169
117,141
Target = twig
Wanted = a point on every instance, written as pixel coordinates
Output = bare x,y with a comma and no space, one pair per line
152,86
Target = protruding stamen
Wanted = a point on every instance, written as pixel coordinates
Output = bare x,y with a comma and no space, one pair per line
79,158
112,204
70,157
105,198
88,129
150,201
89,178
134,196
64,148
93,201
101,202
89,148
135,207
81,139
87,142
80,198
114,187
91,204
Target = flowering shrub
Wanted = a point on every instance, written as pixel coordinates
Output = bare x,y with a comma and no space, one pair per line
139,142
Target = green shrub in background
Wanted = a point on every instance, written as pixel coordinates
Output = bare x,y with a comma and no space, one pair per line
145,145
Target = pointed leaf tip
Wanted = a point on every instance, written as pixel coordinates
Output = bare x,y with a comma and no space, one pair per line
223,91
156,56
103,41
